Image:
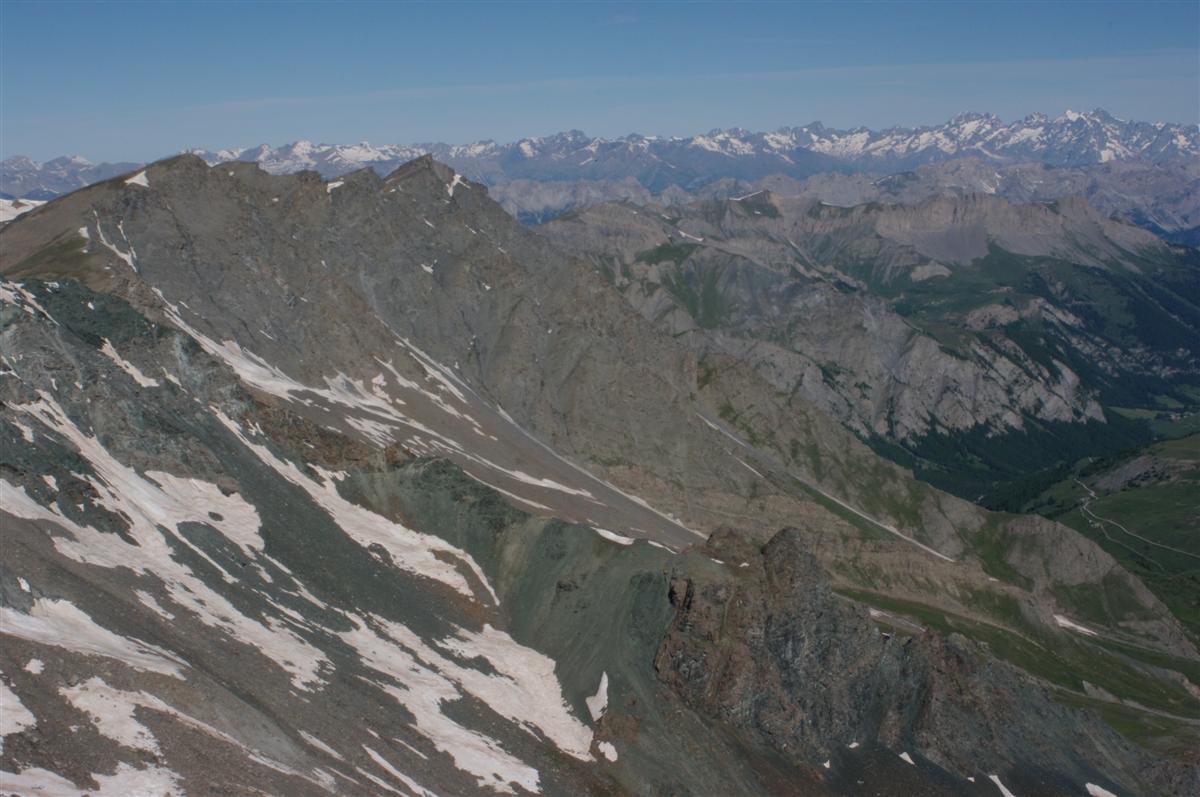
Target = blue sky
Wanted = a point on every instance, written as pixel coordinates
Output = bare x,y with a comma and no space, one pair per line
136,81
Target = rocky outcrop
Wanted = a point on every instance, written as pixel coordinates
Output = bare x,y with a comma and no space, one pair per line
764,646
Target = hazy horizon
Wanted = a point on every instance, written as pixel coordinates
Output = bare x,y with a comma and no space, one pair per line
146,81
319,143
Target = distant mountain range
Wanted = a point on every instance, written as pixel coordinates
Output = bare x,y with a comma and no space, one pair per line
1072,139
22,177
1146,173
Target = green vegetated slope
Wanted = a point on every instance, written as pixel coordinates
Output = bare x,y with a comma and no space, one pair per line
1097,674
1131,328
1127,330
1143,507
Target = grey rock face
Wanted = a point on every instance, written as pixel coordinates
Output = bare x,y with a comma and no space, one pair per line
744,293
1160,197
359,486
942,317
766,647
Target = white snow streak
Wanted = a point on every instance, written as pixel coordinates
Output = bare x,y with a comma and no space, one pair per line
126,366
129,257
1063,622
409,550
421,679
124,782
411,784
18,295
62,624
1004,791
1098,791
612,536
320,745
457,181
14,717
155,505
598,702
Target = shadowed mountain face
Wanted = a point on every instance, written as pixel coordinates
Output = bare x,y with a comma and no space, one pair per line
360,487
973,338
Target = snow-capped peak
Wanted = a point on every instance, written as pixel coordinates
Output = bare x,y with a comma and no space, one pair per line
1074,138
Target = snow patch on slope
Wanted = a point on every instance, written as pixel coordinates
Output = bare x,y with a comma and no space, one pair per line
11,208
124,782
1003,790
598,702
112,712
411,551
422,680
1064,622
126,366
1098,791
155,505
14,717
62,624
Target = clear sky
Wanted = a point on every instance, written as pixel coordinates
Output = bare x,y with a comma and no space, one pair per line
136,81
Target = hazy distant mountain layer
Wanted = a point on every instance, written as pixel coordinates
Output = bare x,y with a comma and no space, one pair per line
657,162
539,178
22,177
979,339
360,487
1163,199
